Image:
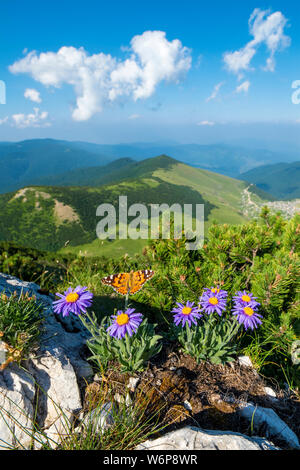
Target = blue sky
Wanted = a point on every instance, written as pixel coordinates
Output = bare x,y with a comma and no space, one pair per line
130,71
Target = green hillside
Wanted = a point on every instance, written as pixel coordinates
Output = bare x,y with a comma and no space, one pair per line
22,163
118,170
55,162
282,180
91,176
64,218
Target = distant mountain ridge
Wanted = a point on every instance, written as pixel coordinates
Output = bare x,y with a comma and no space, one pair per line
90,176
53,217
30,161
117,171
23,162
281,180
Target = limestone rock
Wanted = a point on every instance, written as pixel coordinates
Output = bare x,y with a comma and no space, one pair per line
275,427
99,419
52,374
57,386
52,437
67,333
245,361
193,438
17,391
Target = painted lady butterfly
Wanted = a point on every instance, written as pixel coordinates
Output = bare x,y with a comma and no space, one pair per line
128,283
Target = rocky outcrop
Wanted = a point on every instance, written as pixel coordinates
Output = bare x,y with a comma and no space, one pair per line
48,388
193,438
275,427
17,392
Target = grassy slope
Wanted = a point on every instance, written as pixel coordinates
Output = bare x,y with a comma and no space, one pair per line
32,221
93,176
222,191
282,180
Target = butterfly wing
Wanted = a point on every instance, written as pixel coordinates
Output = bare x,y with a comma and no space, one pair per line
119,282
128,283
138,279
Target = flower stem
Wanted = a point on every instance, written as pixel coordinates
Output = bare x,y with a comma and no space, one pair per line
126,301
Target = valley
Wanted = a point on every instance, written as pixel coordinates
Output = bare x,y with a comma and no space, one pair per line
63,218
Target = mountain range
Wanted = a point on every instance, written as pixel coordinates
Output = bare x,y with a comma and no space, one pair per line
40,161
282,180
64,217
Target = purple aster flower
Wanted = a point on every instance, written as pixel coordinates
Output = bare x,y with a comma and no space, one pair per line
245,299
213,300
73,301
185,313
125,322
247,316
216,290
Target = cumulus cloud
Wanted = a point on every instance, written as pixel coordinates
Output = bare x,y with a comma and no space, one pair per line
215,92
205,123
33,95
266,28
35,119
101,78
243,87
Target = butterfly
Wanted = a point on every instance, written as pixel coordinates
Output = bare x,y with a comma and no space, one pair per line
128,283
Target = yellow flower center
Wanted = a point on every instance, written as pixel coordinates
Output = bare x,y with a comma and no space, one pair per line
186,310
248,311
72,297
246,298
122,319
213,301
215,290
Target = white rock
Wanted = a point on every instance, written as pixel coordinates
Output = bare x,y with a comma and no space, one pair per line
3,353
132,383
57,386
193,438
245,361
52,437
99,419
17,391
270,392
52,371
276,428
187,405
67,333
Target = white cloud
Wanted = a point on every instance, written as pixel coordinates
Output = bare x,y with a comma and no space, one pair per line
205,123
3,120
33,95
35,119
215,92
243,87
101,78
266,28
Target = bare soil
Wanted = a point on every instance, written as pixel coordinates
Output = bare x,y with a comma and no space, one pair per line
183,393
